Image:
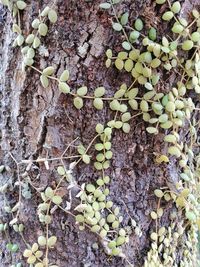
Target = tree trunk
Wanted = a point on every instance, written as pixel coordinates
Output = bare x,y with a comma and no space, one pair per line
38,122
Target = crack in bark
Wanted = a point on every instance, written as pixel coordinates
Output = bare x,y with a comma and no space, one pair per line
41,138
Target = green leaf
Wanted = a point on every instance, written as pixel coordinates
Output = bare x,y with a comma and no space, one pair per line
191,216
28,61
14,248
49,192
99,92
105,5
78,102
195,36
126,117
80,218
117,27
82,91
98,166
152,34
109,53
20,40
52,16
119,93
134,104
126,45
61,170
81,149
132,93
16,28
45,11
110,218
51,241
86,159
160,2
9,246
128,66
176,7
177,28
21,5
115,105
99,128
139,24
64,87
168,15
98,103
126,127
64,76
35,24
42,241
43,29
134,35
30,38
148,86
108,63
36,42
4,2
124,18
152,130
95,228
48,71
57,200
144,106
119,64
187,45
90,188
174,151
44,81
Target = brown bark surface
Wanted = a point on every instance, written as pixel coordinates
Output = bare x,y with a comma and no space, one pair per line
35,121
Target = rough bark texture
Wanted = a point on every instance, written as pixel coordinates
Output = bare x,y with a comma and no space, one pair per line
35,120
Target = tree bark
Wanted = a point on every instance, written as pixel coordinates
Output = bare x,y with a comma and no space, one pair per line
36,121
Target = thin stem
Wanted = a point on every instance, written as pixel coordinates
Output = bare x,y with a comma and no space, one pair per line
19,20
47,225
20,185
36,69
136,115
47,237
69,146
90,144
115,14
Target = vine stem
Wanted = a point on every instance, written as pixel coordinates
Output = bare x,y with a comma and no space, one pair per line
90,144
115,14
93,97
48,209
136,115
47,159
20,185
43,20
19,20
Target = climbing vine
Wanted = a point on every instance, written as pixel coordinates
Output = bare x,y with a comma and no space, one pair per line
145,56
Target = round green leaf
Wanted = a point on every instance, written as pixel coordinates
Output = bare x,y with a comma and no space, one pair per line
78,102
